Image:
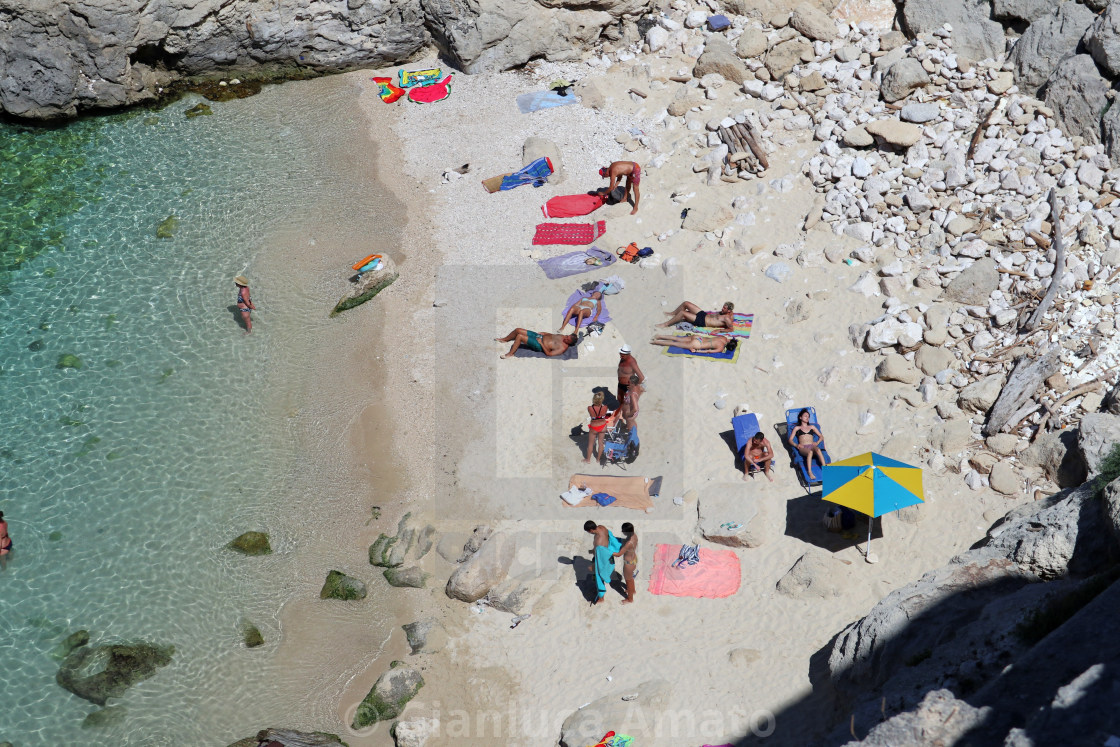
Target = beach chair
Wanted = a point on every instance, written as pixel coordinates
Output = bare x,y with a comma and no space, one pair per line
745,426
798,461
621,444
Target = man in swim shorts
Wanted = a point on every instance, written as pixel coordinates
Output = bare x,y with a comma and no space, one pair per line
758,455
691,313
627,366
549,344
633,174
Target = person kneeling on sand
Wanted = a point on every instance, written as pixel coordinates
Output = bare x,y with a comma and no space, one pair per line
697,343
691,313
605,547
546,343
757,455
629,553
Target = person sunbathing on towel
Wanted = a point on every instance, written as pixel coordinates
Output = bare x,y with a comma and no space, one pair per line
590,307
697,343
691,313
807,439
758,455
546,343
633,174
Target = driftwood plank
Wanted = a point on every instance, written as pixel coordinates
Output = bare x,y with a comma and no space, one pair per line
1059,267
1024,381
748,134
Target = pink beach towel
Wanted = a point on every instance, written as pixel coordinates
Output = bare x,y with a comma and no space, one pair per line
569,206
714,577
576,234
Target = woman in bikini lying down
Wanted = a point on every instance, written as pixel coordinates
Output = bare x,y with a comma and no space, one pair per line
697,343
592,307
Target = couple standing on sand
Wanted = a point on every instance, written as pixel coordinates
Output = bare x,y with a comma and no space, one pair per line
606,548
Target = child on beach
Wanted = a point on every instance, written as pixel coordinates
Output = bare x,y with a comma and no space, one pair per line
629,553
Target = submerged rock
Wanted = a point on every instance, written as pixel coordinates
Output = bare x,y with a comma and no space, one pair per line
77,639
290,738
69,360
340,586
198,110
251,635
251,543
389,695
369,285
110,716
167,227
103,672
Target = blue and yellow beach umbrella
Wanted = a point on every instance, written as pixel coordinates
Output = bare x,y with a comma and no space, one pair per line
872,484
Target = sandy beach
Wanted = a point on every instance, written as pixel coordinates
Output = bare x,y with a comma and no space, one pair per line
486,441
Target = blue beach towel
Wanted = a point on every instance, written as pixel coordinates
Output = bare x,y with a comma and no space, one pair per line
730,357
537,100
604,563
536,173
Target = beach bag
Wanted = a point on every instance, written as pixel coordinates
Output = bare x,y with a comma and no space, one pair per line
603,499
645,252
629,253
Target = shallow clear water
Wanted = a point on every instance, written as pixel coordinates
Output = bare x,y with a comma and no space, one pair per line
122,479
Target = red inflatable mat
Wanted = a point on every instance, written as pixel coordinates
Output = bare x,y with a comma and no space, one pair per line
576,234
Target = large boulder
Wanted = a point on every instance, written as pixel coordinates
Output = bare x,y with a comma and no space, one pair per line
817,575
1021,10
719,57
1057,455
425,636
340,586
484,570
752,43
102,672
412,577
1103,40
368,285
413,539
973,286
812,22
636,712
1098,433
728,515
389,695
1112,508
1078,94
902,78
1050,39
975,35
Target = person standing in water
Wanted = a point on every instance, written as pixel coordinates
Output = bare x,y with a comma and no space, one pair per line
244,302
5,542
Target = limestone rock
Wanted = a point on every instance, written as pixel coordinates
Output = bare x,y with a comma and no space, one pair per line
752,43
102,672
930,360
416,732
1103,40
1078,94
388,696
1057,455
1002,443
426,636
637,716
729,516
1098,434
1004,480
1112,507
816,574
920,113
812,22
979,396
858,137
538,147
896,368
783,56
340,586
251,543
895,132
975,35
719,58
1021,10
973,286
411,577
902,78
1049,39
484,570
369,284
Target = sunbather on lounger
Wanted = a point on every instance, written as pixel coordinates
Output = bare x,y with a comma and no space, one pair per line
806,438
758,454
546,343
697,343
592,307
691,313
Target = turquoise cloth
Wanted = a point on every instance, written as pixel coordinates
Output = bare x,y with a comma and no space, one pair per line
604,564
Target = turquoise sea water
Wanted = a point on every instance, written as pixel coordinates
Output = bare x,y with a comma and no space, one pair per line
122,479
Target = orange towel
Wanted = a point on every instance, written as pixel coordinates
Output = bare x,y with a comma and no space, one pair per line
714,577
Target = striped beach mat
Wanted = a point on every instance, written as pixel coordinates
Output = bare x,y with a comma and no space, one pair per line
576,234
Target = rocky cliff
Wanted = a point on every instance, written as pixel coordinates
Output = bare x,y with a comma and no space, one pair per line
60,58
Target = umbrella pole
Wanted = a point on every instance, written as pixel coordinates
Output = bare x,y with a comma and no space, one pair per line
869,556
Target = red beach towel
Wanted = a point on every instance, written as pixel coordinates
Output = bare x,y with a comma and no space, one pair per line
576,234
570,206
431,93
714,577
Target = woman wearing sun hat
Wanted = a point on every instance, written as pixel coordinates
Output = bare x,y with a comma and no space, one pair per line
244,302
